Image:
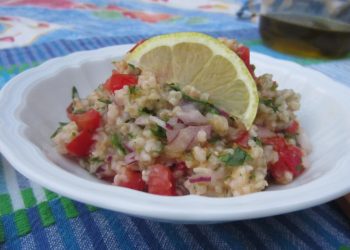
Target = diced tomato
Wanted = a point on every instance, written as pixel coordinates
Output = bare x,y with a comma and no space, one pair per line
133,180
244,53
161,181
90,120
293,127
277,142
137,44
242,139
81,144
118,81
290,158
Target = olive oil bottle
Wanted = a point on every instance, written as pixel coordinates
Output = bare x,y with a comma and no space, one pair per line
307,36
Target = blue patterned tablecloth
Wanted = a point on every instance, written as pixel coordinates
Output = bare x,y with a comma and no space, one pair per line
32,217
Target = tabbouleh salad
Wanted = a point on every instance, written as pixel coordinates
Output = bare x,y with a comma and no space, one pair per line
137,132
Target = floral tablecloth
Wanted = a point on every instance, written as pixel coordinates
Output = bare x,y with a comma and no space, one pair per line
32,217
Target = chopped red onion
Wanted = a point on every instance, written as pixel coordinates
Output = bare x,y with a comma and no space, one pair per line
109,158
186,138
188,107
179,170
171,134
142,120
172,121
223,113
265,132
130,158
194,141
168,126
130,149
192,117
200,179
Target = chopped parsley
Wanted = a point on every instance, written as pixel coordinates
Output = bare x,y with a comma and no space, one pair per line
158,132
299,168
209,108
146,111
269,103
95,160
116,142
214,138
175,87
78,111
106,101
274,86
131,66
257,141
61,125
75,94
252,176
236,159
133,90
131,136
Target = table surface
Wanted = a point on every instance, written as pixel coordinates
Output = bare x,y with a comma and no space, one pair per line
32,217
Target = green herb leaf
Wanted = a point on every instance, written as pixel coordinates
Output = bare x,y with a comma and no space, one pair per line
131,136
61,125
252,176
116,142
299,168
209,108
235,159
257,141
191,99
159,132
95,160
214,138
105,101
146,111
131,66
75,94
133,90
269,103
174,86
78,111
274,86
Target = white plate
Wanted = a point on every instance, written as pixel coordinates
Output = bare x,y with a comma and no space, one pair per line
32,104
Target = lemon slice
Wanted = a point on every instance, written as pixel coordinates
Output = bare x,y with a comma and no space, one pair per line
196,59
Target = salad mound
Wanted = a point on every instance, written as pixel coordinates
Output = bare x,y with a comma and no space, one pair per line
139,131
